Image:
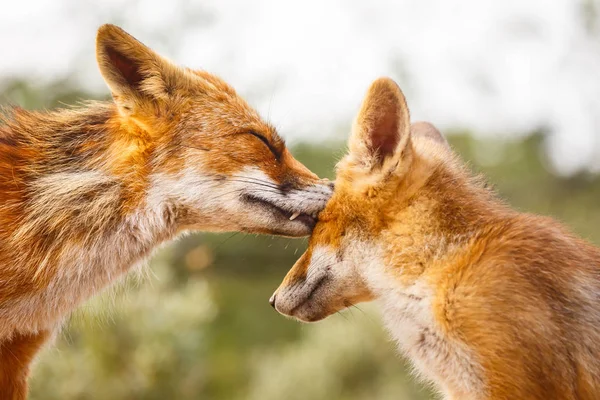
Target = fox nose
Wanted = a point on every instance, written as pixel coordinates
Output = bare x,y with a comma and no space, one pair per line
272,300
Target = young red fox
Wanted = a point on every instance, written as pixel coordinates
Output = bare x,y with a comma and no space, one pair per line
486,302
87,193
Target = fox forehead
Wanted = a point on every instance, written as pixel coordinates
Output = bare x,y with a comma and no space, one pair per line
348,213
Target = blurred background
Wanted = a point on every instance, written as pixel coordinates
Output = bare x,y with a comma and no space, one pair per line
515,85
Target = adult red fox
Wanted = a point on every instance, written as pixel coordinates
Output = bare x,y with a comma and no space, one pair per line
87,193
486,302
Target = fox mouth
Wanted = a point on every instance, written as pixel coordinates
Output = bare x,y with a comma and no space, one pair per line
306,302
306,219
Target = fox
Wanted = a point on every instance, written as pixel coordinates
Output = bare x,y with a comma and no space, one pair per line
487,303
87,193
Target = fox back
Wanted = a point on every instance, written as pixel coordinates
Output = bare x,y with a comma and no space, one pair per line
87,193
486,302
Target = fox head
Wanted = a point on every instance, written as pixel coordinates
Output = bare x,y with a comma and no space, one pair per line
389,197
192,144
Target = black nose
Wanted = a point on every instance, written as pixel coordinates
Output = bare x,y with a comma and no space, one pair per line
272,301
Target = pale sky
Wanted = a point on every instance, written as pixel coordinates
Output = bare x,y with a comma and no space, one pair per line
498,68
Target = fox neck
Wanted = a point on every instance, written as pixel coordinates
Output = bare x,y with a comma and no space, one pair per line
67,271
440,228
77,208
100,189
443,218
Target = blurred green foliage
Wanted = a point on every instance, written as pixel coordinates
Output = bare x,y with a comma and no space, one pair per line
197,325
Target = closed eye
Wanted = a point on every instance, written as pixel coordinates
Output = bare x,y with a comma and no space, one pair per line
263,139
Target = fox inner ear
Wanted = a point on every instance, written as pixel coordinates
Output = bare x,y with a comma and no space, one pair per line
382,127
128,68
133,72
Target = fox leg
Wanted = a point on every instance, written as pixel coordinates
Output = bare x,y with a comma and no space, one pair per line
16,355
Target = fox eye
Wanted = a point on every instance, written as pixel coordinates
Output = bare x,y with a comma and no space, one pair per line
263,139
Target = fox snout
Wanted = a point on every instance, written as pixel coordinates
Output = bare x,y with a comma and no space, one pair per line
318,285
297,294
287,209
301,301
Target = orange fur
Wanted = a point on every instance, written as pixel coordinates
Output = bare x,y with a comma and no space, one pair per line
88,192
487,303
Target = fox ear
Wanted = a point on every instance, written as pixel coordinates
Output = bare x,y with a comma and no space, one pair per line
133,72
381,131
426,130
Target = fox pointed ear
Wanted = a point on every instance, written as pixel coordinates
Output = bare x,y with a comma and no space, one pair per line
133,72
381,131
428,131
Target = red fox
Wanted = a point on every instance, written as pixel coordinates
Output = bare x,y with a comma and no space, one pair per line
87,193
486,302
